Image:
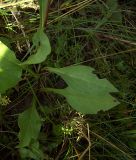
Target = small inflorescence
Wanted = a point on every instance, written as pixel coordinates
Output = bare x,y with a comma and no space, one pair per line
4,101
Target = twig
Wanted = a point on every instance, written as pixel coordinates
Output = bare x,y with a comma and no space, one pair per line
116,38
21,28
14,4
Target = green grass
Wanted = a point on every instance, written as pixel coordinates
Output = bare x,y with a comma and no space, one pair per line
80,33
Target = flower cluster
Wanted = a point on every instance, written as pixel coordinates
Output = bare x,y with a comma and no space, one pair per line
4,100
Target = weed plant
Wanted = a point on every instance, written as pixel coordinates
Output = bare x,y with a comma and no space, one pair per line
96,33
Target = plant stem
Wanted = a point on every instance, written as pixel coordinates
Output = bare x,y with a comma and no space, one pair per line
46,12
44,7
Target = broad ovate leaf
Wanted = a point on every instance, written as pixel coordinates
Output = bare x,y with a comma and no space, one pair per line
10,71
85,92
29,123
42,44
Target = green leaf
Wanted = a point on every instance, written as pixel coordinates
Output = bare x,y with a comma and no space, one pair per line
6,41
41,41
29,123
10,71
33,152
113,10
85,92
